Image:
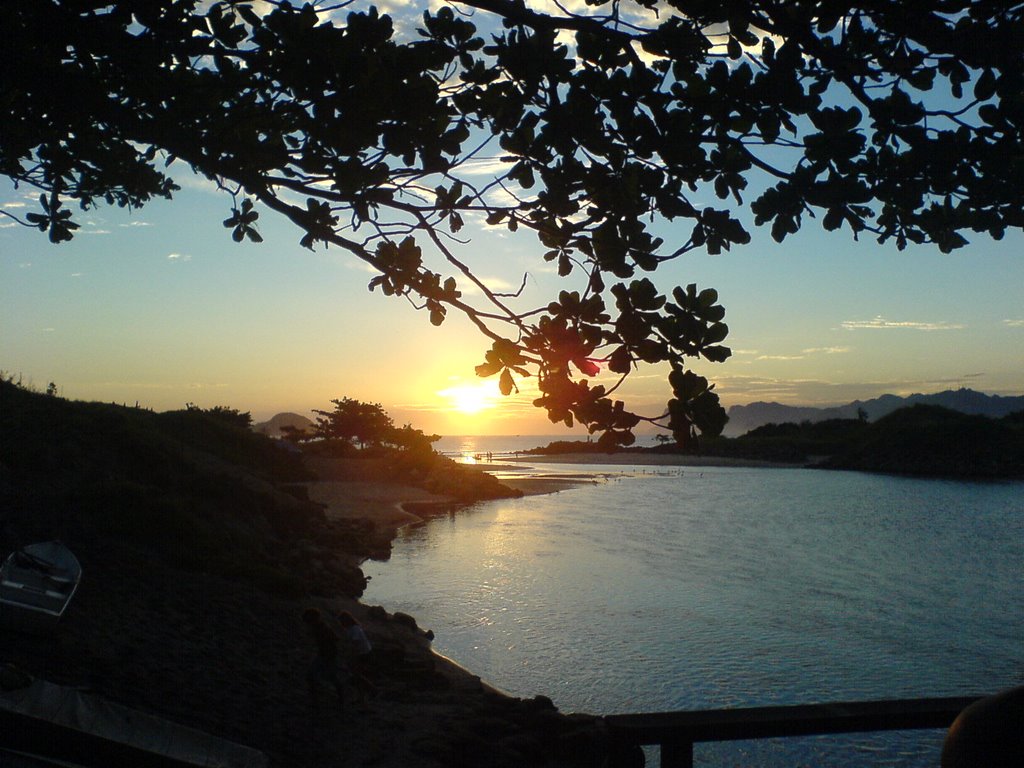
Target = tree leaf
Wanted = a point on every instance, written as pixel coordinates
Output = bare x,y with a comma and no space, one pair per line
505,383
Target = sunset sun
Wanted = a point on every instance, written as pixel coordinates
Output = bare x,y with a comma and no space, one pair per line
472,398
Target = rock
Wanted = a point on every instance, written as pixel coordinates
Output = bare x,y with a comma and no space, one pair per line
376,613
405,620
585,743
434,746
540,703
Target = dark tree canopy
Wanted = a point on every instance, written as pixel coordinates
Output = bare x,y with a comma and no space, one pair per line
899,120
354,422
367,424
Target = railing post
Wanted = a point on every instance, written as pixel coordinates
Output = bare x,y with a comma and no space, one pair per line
677,753
675,733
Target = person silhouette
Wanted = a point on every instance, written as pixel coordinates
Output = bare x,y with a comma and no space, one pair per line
988,733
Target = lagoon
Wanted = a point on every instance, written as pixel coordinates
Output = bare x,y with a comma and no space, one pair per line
690,588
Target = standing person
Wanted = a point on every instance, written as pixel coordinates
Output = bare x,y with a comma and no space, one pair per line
325,666
357,651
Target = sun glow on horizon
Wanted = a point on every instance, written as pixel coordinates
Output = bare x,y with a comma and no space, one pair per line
472,398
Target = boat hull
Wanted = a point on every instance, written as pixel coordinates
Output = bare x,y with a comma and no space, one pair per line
37,583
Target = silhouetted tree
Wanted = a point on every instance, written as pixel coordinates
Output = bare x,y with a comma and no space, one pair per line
407,438
366,424
224,413
898,120
354,422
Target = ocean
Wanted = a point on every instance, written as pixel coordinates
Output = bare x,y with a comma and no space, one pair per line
474,448
707,587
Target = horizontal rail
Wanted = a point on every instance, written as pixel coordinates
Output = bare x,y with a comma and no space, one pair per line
677,732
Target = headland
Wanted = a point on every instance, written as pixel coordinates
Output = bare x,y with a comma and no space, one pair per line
201,545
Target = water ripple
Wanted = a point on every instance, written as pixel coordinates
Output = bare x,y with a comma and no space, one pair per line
738,588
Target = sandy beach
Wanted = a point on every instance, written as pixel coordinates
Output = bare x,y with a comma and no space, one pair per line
352,490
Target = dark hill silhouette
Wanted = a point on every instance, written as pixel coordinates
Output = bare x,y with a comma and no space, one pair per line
275,426
744,418
937,441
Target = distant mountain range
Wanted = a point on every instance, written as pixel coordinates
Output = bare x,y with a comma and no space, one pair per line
743,418
273,427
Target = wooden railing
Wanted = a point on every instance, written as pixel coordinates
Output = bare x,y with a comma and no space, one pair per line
677,732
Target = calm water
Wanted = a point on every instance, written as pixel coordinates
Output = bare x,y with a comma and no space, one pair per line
474,448
714,587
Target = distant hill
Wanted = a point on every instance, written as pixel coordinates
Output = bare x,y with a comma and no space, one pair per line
273,427
743,418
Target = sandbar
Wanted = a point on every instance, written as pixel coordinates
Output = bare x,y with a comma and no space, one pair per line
645,459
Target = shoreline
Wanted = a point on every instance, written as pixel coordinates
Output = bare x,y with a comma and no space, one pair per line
350,493
621,458
390,506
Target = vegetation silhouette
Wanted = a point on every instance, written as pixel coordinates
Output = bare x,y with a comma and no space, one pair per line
936,441
924,440
591,130
366,424
196,487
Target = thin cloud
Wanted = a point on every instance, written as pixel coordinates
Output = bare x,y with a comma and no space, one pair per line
136,224
805,353
13,205
1014,322
186,178
880,323
348,261
181,257
826,350
486,166
495,284
505,197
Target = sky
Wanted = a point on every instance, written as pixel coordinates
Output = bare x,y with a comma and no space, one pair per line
160,307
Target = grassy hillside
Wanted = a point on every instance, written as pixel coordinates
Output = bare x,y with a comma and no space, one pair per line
193,489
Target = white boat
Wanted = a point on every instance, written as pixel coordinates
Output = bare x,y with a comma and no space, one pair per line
37,583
